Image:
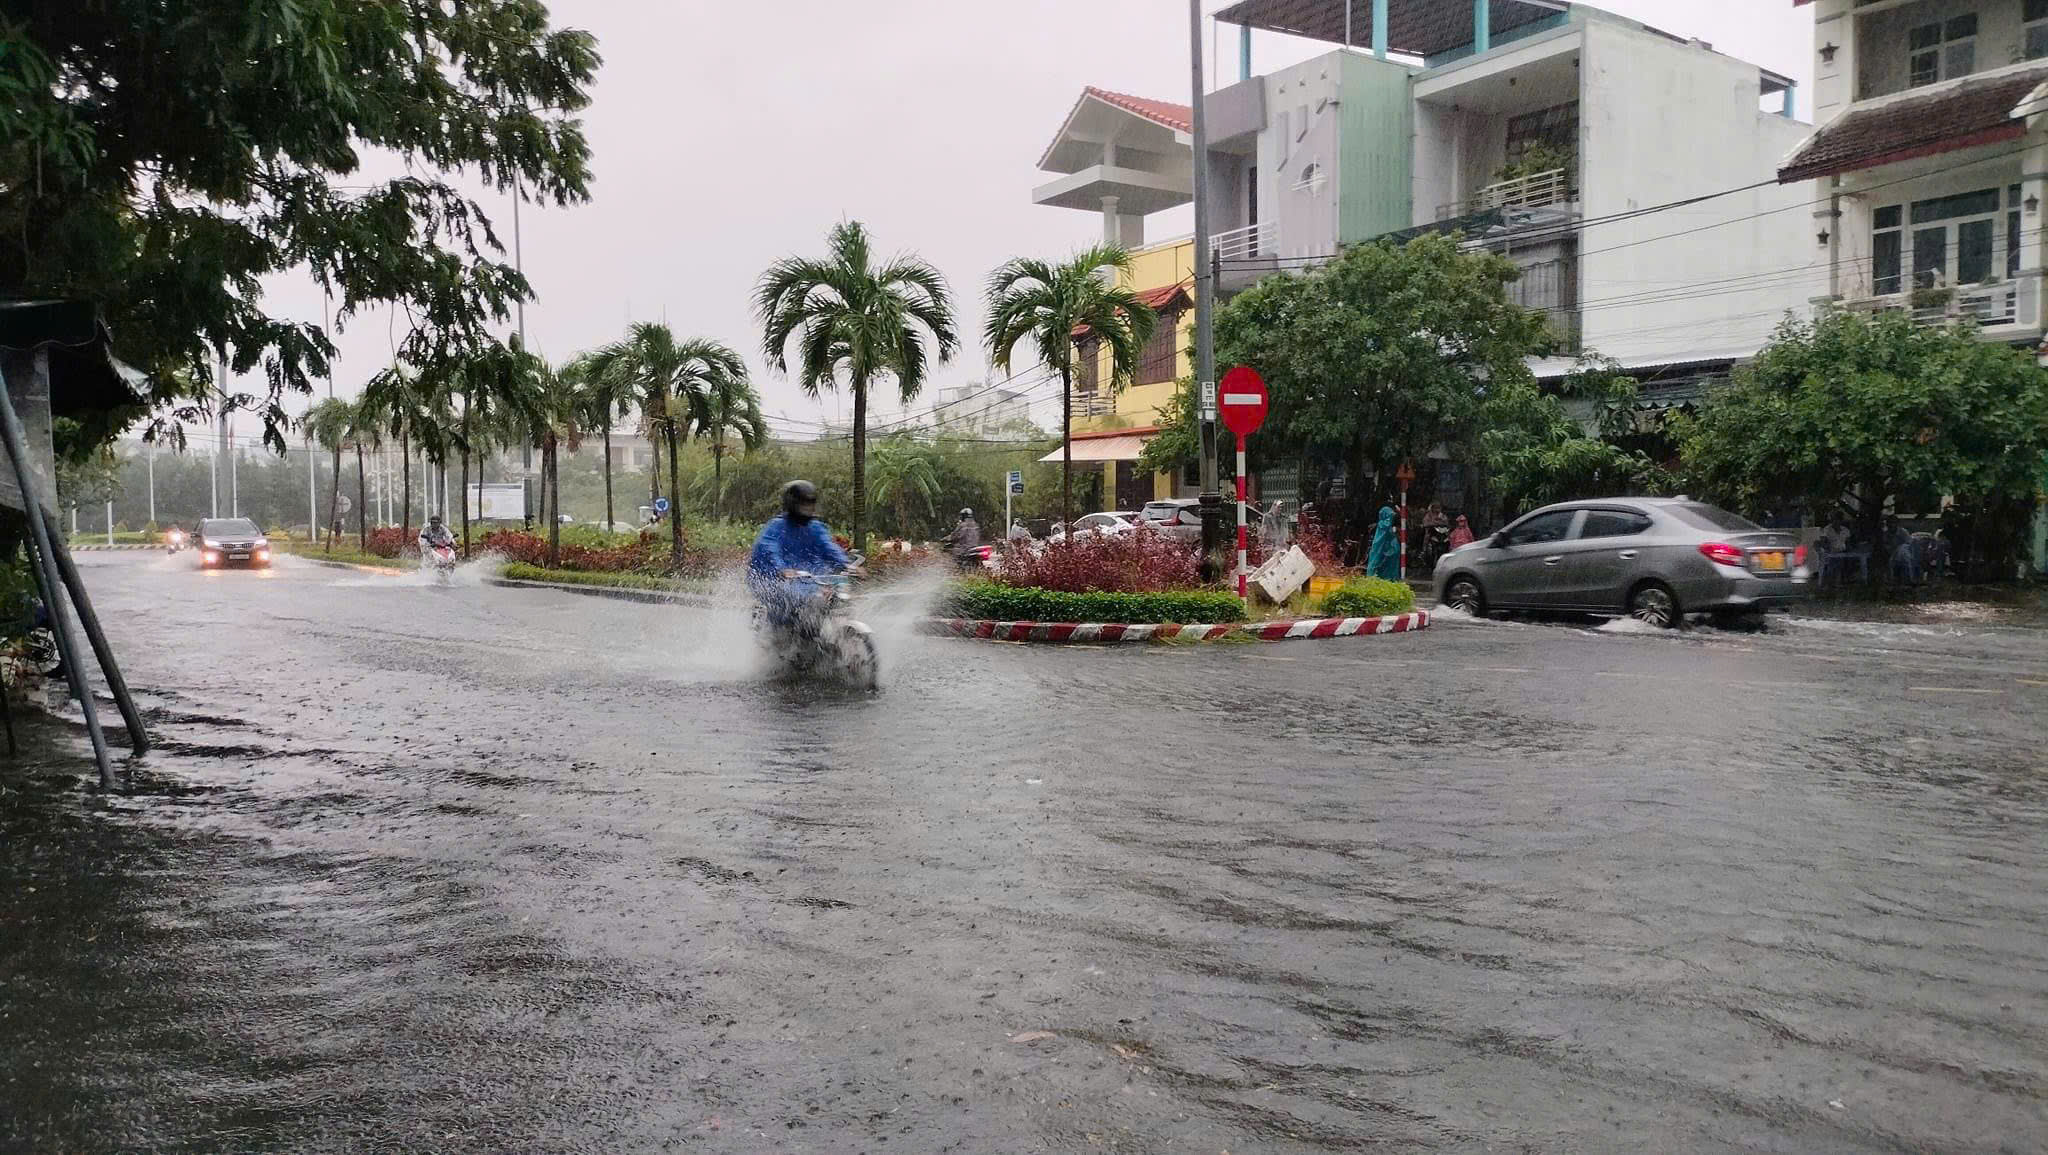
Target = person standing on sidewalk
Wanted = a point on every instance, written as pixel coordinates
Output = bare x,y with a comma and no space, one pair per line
1384,559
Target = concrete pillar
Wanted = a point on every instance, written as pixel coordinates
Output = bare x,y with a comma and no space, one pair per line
1791,101
1112,222
2033,253
1379,28
1482,26
1244,52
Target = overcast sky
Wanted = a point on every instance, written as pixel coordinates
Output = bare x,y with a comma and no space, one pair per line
727,135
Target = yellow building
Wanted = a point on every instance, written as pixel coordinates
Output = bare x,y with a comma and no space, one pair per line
1128,157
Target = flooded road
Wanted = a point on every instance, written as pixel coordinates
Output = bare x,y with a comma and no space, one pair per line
421,869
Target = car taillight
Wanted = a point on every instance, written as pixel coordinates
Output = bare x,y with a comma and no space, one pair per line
1721,553
1799,555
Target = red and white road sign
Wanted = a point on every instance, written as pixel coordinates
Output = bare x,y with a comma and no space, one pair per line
1243,401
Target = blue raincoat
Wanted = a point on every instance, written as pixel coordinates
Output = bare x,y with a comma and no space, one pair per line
784,544
1384,559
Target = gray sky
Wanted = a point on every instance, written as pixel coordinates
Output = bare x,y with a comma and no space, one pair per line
726,135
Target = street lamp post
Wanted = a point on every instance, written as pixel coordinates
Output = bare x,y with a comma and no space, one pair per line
1205,289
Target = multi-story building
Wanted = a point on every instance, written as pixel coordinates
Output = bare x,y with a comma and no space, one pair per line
1628,172
1929,162
1929,156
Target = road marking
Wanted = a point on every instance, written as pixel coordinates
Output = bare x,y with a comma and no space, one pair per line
1948,690
1784,685
2029,682
1501,669
1270,658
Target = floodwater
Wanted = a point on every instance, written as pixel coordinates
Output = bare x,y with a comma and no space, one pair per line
421,868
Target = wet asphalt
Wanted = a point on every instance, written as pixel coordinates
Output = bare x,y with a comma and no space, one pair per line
487,869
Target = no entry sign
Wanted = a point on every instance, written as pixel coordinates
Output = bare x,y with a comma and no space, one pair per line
1243,403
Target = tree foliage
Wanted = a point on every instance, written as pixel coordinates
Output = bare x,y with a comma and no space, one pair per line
1857,410
162,159
1535,451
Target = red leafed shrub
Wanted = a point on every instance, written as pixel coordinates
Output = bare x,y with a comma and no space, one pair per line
647,555
1315,541
1137,562
531,549
390,542
889,562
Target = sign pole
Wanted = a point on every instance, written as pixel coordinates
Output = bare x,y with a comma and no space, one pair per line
1404,531
1242,571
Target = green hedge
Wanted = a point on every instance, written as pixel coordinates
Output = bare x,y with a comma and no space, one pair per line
518,571
1367,597
1013,604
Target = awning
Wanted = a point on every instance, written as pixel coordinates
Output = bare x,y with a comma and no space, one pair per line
1978,111
1122,447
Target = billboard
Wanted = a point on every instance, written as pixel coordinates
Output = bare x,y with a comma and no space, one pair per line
497,501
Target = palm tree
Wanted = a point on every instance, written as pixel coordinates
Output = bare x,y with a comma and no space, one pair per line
1048,304
401,405
328,425
555,406
364,432
903,469
732,410
850,317
605,398
674,379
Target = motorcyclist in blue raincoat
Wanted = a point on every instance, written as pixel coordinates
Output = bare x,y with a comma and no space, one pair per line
795,542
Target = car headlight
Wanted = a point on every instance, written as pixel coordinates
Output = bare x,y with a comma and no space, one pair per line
209,543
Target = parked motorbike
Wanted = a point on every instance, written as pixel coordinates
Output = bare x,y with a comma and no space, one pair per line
821,635
439,559
1436,542
174,541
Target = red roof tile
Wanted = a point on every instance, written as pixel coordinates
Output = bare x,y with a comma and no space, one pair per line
1156,299
1973,113
1178,117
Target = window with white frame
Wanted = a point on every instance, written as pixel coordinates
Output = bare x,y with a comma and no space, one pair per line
1941,50
2035,16
1941,241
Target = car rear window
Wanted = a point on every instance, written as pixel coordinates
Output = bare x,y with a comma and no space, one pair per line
1161,511
1612,523
1702,516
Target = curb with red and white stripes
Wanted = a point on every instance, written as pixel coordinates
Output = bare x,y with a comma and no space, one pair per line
1058,633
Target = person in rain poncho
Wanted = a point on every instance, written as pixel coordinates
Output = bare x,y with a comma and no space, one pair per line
1462,535
1384,559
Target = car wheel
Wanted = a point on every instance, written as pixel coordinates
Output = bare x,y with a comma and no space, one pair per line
1654,603
1465,596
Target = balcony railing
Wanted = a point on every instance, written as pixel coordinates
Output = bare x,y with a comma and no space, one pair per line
1253,240
1093,404
1535,191
1988,305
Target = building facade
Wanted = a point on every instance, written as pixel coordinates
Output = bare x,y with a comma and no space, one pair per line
1629,172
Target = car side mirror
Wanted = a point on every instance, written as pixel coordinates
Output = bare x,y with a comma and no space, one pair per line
1498,540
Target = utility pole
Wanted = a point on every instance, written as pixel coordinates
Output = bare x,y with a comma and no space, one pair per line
519,266
220,387
152,484
1205,289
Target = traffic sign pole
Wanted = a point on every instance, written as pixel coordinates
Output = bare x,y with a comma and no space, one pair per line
1241,539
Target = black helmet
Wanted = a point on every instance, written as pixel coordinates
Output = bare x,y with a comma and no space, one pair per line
965,514
798,493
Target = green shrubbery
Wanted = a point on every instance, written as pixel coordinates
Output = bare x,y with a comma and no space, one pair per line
520,571
1367,597
1014,604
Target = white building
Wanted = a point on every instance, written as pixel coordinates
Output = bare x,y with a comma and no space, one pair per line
1928,162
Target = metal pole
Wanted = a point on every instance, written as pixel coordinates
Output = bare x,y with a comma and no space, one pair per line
138,737
152,483
312,493
1242,567
234,473
110,521
46,571
1205,287
519,266
1404,531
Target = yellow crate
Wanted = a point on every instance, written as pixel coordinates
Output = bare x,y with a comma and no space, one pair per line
1318,586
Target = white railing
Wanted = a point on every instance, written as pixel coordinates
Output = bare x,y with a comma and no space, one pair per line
1535,191
1254,240
1093,404
1988,305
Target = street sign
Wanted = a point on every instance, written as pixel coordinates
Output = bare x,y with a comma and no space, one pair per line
1405,474
342,504
1208,401
1244,401
1016,481
661,505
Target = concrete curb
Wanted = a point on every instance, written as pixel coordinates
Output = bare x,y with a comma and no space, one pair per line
385,570
616,593
105,548
1069,633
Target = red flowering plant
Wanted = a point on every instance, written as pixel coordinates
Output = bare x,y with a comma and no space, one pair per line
1141,561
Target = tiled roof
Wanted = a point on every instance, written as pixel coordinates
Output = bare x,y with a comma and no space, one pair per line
1156,299
1978,111
1178,117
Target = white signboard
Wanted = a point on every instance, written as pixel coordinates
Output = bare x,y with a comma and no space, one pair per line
498,501
1280,577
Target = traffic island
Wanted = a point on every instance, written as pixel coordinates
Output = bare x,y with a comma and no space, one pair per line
1105,633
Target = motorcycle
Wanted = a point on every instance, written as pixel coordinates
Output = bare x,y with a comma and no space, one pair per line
439,558
820,634
174,541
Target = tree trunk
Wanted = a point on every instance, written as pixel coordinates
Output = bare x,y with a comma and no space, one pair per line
608,518
551,500
860,465
405,491
1067,453
465,475
717,481
334,503
362,500
675,504
653,464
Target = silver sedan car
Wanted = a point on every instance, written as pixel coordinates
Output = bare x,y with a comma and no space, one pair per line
1654,558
